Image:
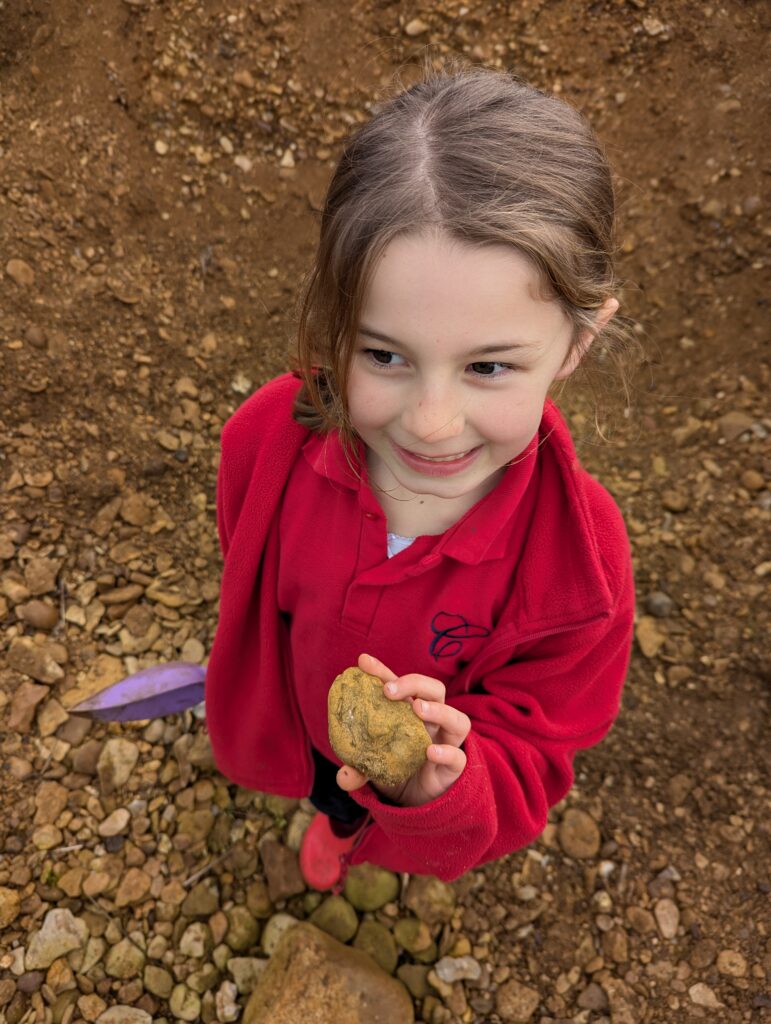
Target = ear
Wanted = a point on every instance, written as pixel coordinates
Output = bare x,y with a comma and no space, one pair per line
577,353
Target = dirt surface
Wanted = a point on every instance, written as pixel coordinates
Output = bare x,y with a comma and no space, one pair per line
161,170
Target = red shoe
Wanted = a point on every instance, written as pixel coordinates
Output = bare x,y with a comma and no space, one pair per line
323,855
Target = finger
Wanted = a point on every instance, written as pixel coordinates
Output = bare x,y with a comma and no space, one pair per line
453,725
375,667
451,758
349,779
417,686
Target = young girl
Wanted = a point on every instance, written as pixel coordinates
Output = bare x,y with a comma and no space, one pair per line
409,500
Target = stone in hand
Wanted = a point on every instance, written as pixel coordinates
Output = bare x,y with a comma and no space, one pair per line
384,739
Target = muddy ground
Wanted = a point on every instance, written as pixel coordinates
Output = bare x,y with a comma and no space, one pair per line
161,170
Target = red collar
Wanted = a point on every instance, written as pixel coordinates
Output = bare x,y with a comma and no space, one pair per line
479,535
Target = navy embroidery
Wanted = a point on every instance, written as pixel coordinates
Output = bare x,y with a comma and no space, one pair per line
450,631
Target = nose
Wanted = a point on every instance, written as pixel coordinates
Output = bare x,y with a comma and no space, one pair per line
432,414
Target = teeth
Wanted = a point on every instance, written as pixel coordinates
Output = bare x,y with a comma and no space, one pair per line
444,458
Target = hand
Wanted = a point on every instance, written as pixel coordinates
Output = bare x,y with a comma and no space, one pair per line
446,726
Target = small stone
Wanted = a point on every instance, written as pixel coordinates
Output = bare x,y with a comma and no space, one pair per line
125,1015
667,916
336,917
39,615
161,147
753,480
24,703
734,424
415,977
274,931
593,998
35,660
196,941
515,1003
10,906
702,995
675,501
416,27
458,968
115,823
225,1002
246,971
649,638
21,272
731,962
185,1004
124,960
659,604
61,933
134,887
641,920
368,887
578,834
376,940
432,900
242,930
383,739
116,763
282,870
158,981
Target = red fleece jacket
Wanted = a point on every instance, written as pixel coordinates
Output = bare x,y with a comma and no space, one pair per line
545,682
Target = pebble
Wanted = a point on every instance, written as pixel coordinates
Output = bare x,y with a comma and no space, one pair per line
731,962
649,637
578,834
21,272
369,887
161,147
659,604
516,1003
459,968
115,823
60,934
10,906
667,916
702,995
416,27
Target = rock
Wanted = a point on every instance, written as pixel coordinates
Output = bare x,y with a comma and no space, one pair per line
458,968
593,998
415,977
515,1003
116,763
39,615
659,604
10,906
274,931
311,976
734,424
623,1003
124,1015
246,971
702,995
376,940
203,900
430,899
336,917
414,936
40,575
124,960
35,660
369,887
667,916
134,887
416,27
50,801
675,501
732,963
282,869
383,739
158,981
196,941
578,834
24,704
61,934
225,1002
648,636
103,671
243,931
115,823
641,920
184,1003
21,272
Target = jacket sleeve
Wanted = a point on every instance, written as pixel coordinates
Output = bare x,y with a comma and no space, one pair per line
530,713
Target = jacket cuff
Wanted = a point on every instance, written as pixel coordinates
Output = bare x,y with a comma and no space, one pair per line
467,805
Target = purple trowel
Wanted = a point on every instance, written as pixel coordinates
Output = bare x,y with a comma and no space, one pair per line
157,691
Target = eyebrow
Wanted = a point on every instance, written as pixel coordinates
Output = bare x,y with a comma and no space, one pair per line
483,350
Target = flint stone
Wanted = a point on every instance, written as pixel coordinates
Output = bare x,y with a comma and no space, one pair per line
312,976
383,739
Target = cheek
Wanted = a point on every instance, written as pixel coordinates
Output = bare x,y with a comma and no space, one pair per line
368,401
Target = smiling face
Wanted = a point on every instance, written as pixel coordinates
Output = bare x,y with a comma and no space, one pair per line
451,367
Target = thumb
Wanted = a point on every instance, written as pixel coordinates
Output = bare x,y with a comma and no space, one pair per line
349,779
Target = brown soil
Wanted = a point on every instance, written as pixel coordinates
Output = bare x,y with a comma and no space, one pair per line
161,169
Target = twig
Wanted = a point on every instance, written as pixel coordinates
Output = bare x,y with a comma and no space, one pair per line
205,870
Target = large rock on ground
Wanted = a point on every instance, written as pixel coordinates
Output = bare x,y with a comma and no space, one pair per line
382,738
313,977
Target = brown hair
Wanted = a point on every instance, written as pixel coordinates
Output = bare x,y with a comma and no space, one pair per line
487,159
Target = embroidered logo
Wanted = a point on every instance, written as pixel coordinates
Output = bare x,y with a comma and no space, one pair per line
450,631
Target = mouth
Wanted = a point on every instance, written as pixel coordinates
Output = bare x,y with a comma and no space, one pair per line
437,465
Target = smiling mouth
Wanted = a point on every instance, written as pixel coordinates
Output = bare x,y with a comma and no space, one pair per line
440,458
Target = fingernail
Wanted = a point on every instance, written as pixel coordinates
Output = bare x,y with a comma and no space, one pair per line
391,687
423,706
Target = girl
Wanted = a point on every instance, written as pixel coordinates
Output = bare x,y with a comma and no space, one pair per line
409,499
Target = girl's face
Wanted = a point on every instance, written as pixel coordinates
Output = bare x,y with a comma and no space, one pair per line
452,364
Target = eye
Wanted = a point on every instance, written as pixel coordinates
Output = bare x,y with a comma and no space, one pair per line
488,369
382,358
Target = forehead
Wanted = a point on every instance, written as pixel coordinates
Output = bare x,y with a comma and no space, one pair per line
427,285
